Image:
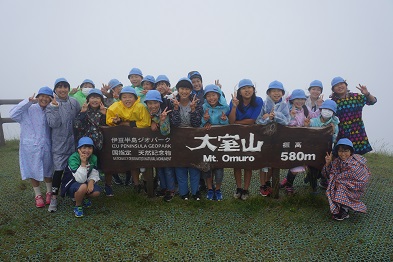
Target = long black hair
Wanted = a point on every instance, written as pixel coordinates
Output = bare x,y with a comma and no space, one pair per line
253,102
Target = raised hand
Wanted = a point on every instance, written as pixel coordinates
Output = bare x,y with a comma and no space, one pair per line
102,109
217,83
206,116
223,116
175,103
235,101
194,103
319,100
85,106
33,99
164,114
83,157
74,90
328,158
54,102
105,90
363,90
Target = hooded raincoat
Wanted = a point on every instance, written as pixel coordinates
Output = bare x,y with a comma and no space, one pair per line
347,183
61,120
136,113
35,158
281,111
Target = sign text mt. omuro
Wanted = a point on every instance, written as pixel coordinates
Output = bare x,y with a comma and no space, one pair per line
228,146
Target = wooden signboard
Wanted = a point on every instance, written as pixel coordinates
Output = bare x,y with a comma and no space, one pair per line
229,146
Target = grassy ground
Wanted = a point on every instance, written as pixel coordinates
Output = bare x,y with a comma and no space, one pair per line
132,227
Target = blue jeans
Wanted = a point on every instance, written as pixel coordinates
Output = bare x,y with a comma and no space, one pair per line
166,176
182,179
75,187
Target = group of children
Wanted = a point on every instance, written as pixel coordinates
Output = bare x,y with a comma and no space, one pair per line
56,123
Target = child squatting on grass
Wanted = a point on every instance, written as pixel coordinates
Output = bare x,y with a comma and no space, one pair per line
81,175
35,158
348,177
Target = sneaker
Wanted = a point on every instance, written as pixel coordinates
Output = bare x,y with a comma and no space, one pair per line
168,196
265,191
39,201
48,198
108,191
78,211
86,202
210,194
283,183
341,215
128,183
218,195
185,197
245,195
238,193
53,205
197,196
289,190
117,180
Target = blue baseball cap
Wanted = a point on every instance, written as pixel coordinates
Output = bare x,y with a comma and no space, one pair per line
85,141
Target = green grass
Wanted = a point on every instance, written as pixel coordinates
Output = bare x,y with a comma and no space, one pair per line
133,227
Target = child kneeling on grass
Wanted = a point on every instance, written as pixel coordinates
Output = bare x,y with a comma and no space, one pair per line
81,175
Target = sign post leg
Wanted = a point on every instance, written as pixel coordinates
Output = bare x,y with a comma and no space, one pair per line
149,178
276,182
